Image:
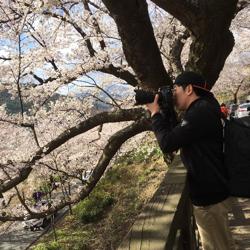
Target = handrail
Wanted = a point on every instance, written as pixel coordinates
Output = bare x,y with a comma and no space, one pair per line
166,222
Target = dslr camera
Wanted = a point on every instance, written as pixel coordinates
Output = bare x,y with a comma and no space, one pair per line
165,102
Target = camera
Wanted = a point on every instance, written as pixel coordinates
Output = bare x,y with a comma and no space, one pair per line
165,101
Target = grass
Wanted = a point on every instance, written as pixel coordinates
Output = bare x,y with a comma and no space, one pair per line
91,209
104,218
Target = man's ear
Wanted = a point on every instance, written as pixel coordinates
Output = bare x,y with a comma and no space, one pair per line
189,89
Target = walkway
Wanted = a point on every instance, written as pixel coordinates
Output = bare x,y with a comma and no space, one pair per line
240,223
17,238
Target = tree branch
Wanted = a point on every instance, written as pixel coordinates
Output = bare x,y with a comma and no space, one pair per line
120,73
76,27
21,199
95,23
212,41
187,12
175,53
98,7
241,5
114,143
5,58
82,127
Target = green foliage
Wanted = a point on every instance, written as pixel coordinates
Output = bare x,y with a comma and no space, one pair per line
114,176
51,246
113,204
92,208
45,187
40,246
140,155
79,245
54,246
57,178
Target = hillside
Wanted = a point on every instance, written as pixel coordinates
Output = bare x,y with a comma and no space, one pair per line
13,103
118,92
101,221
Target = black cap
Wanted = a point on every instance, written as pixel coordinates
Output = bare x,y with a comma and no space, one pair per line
189,77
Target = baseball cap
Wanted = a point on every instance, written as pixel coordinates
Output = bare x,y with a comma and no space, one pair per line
189,77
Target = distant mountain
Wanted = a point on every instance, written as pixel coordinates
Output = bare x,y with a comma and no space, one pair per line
12,106
117,91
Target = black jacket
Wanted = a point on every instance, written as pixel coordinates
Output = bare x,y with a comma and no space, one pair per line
200,137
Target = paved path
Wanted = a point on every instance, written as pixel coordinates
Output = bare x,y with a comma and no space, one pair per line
17,238
240,223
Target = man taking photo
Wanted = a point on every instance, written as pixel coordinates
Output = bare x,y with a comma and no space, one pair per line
200,138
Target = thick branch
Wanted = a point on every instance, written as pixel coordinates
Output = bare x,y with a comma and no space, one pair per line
139,44
185,11
175,53
120,73
41,80
98,7
95,23
82,127
209,25
5,58
113,145
109,69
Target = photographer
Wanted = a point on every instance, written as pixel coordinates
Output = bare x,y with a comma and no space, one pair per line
200,138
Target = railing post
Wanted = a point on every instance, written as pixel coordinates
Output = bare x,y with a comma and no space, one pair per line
188,232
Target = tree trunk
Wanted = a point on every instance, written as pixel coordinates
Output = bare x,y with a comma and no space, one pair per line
138,40
208,55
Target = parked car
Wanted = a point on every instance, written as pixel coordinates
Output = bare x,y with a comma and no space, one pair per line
232,109
243,110
38,224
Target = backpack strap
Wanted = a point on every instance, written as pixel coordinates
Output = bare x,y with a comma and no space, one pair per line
219,175
223,122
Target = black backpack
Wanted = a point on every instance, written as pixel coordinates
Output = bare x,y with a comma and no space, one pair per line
237,155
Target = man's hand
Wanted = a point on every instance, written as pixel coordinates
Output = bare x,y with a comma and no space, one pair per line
154,106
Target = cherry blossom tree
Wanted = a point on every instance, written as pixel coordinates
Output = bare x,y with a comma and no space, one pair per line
233,82
53,50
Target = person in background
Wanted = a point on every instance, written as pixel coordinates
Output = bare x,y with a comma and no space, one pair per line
224,110
37,196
